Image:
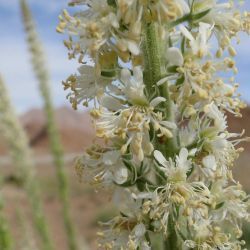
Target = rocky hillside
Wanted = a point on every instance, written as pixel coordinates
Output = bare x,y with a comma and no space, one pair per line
74,127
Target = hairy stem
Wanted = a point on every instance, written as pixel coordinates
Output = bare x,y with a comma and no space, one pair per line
153,72
171,243
152,57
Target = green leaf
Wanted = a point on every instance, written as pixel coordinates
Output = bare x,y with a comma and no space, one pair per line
123,215
183,237
140,185
190,171
219,205
133,172
112,3
180,20
180,80
128,183
108,74
173,69
200,15
128,165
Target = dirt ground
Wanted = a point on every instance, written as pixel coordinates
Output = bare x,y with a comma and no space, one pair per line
88,206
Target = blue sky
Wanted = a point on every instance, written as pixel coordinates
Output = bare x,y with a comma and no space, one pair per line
14,59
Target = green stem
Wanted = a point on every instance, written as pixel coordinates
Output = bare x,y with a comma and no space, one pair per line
5,236
171,243
153,72
153,63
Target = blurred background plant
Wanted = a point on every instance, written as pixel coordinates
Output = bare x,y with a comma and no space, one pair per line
45,188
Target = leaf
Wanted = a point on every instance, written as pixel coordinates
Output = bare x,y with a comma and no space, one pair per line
190,171
218,206
183,237
108,74
112,3
180,81
180,20
128,183
133,171
123,215
140,185
173,69
200,15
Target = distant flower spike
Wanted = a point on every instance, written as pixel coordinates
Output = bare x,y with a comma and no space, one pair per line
41,72
14,134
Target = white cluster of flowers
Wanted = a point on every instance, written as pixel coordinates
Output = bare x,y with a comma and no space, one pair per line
159,78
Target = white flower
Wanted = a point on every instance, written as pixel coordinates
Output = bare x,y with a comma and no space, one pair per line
202,228
110,157
226,20
120,175
189,244
127,44
86,86
103,167
156,101
209,163
175,171
162,9
127,117
139,230
130,11
219,118
174,57
232,201
111,103
134,86
138,237
91,28
199,43
188,134
131,127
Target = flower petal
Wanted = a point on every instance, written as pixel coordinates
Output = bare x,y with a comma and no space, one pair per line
111,103
168,124
121,175
160,158
174,57
156,101
209,162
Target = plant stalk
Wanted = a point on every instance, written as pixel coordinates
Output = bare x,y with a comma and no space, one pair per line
153,72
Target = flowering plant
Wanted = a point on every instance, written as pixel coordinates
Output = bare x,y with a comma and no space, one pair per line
157,75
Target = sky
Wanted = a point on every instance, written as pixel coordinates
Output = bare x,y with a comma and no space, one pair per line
15,60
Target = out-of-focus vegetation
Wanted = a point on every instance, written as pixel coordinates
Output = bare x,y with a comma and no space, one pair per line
246,235
21,154
41,72
5,237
